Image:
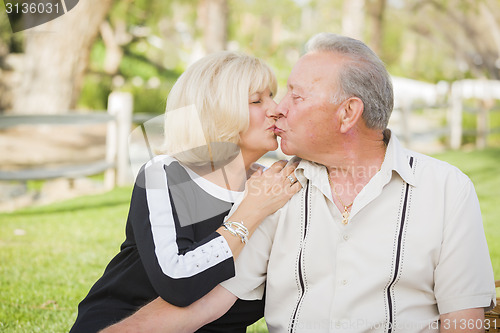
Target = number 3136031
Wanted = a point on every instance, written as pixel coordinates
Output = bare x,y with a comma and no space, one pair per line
471,324
32,8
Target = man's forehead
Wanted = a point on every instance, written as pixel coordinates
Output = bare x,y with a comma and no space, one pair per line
310,70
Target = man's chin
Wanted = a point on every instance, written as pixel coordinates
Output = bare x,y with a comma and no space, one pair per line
287,150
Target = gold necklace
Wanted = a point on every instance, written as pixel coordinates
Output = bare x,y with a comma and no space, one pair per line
346,213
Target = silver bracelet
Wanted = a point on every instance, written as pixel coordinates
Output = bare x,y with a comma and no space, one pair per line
237,229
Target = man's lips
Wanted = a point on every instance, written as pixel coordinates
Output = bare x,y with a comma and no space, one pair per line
277,130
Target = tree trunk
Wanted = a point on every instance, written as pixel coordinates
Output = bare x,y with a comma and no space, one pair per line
213,21
114,51
353,18
56,57
376,9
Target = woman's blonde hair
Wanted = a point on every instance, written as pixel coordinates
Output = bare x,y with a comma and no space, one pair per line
207,108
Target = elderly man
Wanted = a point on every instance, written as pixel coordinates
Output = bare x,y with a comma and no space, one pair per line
379,239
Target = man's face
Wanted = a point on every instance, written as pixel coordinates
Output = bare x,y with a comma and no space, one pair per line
307,119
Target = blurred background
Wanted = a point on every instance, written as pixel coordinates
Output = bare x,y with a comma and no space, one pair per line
79,96
444,56
142,46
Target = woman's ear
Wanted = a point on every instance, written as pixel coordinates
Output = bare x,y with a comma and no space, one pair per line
353,109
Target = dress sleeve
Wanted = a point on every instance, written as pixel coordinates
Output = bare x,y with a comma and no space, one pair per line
179,275
464,275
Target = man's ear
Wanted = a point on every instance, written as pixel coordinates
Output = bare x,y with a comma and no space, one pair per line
353,109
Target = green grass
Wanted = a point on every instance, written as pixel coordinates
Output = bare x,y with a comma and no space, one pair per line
483,167
50,256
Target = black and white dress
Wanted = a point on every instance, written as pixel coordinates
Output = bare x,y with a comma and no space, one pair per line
171,250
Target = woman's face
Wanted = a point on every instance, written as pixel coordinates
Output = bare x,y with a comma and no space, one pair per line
259,138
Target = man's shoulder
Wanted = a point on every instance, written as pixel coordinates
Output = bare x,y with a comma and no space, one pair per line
428,167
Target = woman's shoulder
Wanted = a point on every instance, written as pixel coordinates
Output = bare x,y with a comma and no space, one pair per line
164,163
161,159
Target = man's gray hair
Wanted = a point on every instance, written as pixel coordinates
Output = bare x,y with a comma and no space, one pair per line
362,75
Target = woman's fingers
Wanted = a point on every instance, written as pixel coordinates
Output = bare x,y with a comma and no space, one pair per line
271,189
283,167
289,168
277,166
289,171
295,187
279,175
258,172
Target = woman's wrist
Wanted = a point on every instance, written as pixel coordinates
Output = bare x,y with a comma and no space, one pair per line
237,229
250,219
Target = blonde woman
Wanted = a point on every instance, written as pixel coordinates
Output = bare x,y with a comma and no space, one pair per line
179,242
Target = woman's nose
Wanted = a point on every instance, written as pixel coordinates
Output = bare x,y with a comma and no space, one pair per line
271,108
281,109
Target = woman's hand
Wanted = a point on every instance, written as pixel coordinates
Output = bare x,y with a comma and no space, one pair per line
265,193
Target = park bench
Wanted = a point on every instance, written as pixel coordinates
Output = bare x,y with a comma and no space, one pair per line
492,318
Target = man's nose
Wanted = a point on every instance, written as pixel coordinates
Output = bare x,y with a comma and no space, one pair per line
281,109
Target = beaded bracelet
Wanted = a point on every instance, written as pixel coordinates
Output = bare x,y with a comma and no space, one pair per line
237,229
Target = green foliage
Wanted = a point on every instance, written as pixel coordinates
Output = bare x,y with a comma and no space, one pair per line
469,123
274,32
494,138
136,69
95,91
150,100
141,12
97,56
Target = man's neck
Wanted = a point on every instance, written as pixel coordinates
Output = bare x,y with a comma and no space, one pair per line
356,149
352,162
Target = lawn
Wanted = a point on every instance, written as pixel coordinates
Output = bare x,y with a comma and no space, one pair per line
50,256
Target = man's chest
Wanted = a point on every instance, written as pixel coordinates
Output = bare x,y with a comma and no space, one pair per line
340,271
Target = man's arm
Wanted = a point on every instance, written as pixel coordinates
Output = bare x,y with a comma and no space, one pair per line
469,320
160,316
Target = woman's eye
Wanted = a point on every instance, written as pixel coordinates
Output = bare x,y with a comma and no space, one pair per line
256,102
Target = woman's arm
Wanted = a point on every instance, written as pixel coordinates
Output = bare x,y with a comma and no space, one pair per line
179,269
183,276
160,316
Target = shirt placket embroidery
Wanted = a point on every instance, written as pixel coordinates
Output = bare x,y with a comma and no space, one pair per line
397,263
300,268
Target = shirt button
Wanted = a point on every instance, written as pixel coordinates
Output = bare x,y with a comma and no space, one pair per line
346,237
344,282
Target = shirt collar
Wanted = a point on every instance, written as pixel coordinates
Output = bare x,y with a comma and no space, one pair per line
396,159
313,172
